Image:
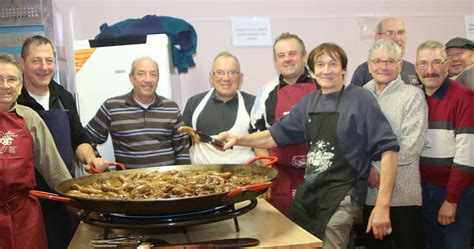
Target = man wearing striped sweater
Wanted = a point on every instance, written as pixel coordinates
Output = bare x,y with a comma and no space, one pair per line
142,124
447,159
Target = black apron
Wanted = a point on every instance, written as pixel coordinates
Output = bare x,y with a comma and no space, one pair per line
328,176
60,224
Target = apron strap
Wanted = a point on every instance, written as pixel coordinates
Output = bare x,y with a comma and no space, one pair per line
200,107
8,203
61,105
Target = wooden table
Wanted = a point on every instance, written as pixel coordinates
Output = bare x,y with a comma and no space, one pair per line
263,222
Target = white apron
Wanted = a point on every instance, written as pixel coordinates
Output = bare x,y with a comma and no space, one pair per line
204,153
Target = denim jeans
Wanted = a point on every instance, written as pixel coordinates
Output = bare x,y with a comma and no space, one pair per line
453,236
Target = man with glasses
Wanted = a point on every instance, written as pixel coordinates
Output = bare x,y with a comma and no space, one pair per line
57,108
461,61
447,161
26,144
393,29
224,107
406,110
274,101
142,124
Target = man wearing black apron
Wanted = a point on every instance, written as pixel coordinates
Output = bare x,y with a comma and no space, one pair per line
344,129
57,108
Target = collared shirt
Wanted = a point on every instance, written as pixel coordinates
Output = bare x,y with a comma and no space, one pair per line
60,98
217,116
466,77
141,137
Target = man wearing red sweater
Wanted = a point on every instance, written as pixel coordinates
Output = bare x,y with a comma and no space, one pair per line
447,159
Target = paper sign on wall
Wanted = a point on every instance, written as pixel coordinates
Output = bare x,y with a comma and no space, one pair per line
251,31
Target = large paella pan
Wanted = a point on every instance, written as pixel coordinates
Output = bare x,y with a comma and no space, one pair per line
166,206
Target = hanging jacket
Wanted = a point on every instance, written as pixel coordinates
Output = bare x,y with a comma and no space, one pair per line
182,35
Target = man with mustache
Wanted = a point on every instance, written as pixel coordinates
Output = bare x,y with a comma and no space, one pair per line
447,161
461,61
142,124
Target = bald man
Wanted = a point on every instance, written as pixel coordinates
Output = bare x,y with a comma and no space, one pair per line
394,29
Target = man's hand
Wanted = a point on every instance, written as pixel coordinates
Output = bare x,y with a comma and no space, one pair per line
379,222
267,194
447,213
228,138
374,178
100,164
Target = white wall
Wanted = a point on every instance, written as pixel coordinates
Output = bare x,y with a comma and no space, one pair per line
315,21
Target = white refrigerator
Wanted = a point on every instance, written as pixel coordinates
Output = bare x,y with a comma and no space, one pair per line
102,68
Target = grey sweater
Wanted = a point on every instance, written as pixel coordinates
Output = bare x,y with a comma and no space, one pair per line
406,109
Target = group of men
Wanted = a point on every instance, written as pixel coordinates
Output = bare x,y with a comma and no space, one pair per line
401,149
425,136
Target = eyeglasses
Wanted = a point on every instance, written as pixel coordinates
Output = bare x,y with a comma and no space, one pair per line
392,33
143,74
389,62
11,80
230,73
426,64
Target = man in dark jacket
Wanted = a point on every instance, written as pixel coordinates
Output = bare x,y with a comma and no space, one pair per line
57,108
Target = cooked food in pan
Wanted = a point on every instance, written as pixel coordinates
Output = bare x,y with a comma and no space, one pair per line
191,132
167,184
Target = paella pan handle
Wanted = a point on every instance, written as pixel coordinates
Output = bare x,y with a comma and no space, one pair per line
252,188
273,159
117,165
50,196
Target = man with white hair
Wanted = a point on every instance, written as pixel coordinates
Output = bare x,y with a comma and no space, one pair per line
223,107
406,109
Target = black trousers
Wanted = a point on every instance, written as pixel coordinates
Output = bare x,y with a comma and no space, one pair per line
407,229
60,224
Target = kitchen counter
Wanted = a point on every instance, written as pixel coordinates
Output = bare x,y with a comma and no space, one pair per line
264,223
